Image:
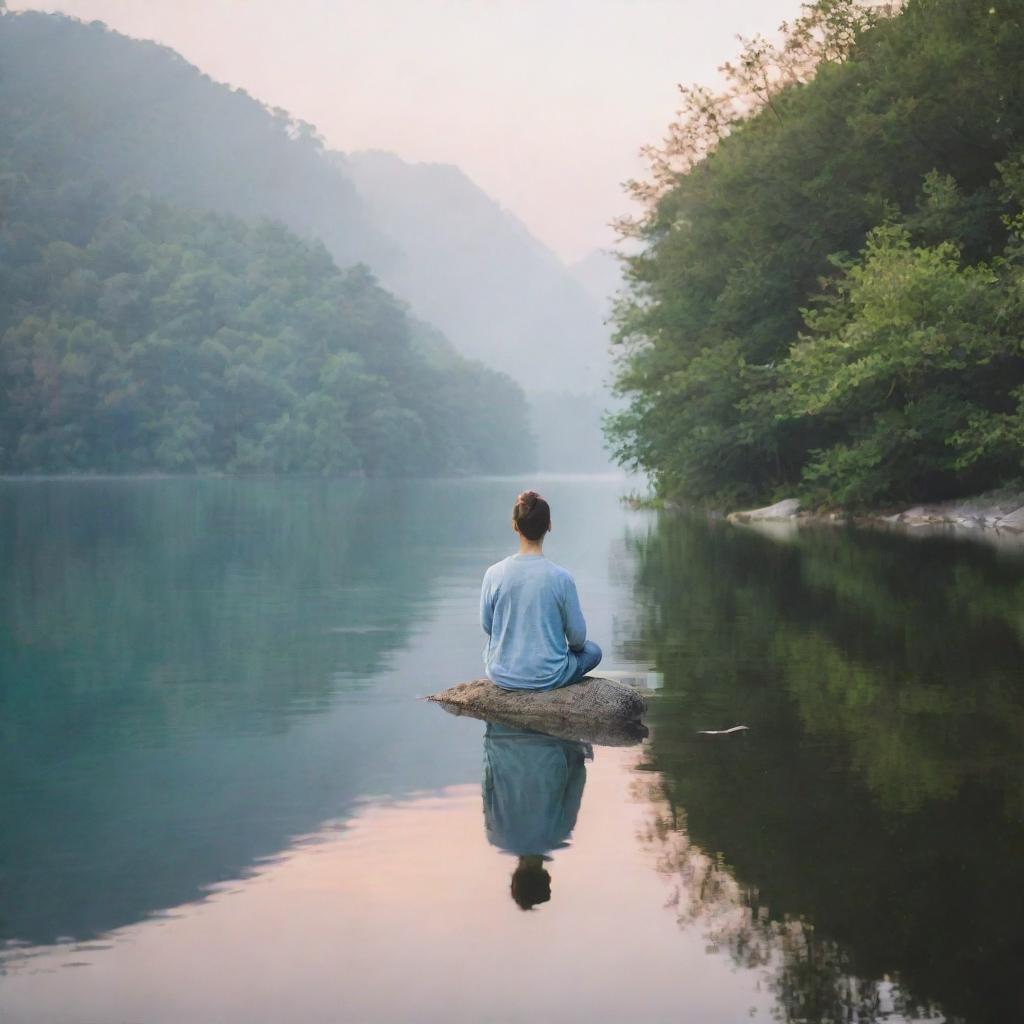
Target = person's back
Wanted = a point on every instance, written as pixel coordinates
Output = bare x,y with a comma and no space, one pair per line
530,611
534,617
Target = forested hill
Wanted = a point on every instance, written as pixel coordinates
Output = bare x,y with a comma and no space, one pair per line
829,298
469,265
136,334
106,107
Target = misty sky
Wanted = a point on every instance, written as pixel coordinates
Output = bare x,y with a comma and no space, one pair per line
544,103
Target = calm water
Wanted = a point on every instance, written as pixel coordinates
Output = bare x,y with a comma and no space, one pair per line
221,802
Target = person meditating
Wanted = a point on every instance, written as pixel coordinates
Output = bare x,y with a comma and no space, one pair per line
529,609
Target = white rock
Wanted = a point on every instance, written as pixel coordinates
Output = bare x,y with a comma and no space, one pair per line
785,509
966,522
1014,521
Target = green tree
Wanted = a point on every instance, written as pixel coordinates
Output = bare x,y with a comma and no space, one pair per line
860,117
901,362
152,338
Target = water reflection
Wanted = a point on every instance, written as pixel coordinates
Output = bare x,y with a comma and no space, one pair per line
872,817
810,977
532,788
194,672
166,650
402,915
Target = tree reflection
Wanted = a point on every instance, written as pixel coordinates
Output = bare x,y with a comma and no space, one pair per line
874,810
164,646
811,977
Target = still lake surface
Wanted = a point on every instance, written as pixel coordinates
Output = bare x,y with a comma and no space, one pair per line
221,802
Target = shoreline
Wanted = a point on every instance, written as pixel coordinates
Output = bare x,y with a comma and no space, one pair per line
994,515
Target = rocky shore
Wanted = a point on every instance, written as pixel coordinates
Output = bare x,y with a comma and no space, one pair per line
1002,512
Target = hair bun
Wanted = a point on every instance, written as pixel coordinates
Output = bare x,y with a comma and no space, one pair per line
531,515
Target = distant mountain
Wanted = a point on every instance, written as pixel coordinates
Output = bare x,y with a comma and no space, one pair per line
135,114
474,269
124,116
143,328
142,117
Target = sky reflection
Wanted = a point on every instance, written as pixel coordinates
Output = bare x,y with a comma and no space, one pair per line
402,913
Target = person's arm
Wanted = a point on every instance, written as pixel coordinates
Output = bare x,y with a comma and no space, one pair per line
486,604
572,616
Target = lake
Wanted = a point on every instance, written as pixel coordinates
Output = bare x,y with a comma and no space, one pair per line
221,801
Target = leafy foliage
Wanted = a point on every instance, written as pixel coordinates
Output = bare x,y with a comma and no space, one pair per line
903,365
889,134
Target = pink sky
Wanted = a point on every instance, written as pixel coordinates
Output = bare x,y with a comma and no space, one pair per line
544,103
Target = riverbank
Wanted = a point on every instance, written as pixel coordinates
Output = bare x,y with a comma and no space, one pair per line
1001,512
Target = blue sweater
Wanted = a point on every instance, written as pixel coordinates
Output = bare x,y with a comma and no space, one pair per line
531,614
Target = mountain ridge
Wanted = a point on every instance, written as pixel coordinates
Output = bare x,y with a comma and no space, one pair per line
473,267
147,118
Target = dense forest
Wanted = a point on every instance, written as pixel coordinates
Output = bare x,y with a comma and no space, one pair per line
144,333
827,296
133,112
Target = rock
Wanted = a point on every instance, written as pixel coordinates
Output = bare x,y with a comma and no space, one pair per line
966,522
984,516
1013,521
923,515
594,710
785,509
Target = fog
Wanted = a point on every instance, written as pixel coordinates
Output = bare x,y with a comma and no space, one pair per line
460,158
544,105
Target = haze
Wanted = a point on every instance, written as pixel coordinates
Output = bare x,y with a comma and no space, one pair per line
544,105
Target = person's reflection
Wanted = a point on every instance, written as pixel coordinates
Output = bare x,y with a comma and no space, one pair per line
532,787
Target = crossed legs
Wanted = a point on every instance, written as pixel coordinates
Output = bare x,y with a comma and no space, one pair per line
587,659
